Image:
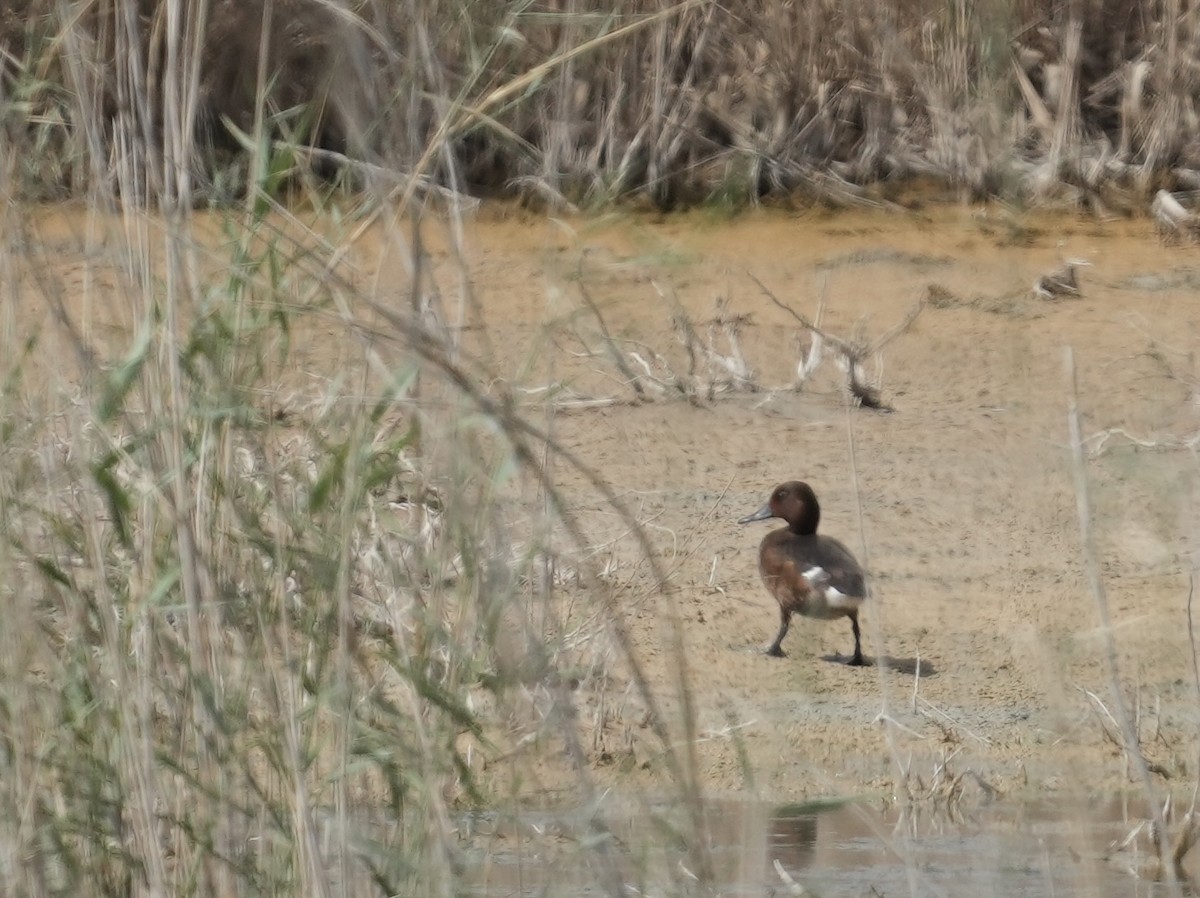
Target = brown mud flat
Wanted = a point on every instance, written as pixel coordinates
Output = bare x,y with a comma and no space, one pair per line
969,515
969,525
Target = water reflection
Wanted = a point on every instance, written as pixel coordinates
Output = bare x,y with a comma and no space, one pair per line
791,840
756,850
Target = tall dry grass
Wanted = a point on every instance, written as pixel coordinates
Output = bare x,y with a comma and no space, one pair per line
270,599
1088,101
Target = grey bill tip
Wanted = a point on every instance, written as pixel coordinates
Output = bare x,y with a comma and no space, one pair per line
761,515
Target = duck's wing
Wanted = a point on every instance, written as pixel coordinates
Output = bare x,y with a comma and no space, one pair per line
839,564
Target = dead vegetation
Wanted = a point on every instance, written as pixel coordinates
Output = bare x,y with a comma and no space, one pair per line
1172,839
853,352
1013,304
1175,223
1175,367
1062,281
713,362
672,103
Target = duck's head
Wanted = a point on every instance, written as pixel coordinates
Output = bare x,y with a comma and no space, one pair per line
794,502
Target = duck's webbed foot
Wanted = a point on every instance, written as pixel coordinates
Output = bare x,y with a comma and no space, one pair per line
775,649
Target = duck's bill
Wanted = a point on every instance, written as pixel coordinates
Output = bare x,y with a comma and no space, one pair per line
761,515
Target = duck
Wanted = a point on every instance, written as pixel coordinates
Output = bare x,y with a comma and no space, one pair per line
814,576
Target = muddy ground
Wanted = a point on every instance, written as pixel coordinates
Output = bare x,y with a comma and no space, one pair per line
968,511
969,523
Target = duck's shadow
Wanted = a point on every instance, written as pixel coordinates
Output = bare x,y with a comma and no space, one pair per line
906,666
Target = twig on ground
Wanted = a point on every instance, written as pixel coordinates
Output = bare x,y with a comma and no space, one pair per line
1061,282
950,721
882,717
1102,438
618,357
810,361
851,352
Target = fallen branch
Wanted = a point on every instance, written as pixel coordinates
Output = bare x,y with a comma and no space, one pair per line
610,345
1101,441
851,352
809,362
1061,282
727,326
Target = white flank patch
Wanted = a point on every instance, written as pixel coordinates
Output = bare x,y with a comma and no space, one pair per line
816,576
826,602
835,599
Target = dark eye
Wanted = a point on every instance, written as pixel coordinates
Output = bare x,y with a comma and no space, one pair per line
780,495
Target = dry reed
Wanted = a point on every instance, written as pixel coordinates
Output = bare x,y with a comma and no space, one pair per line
675,102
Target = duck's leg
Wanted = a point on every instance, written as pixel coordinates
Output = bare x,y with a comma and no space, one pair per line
857,660
785,619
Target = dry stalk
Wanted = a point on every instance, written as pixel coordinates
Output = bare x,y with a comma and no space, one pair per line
947,724
891,725
1108,723
678,102
1038,113
1066,126
945,791
1187,836
731,365
1091,564
716,363
810,361
851,352
690,384
1172,220
790,884
465,116
656,376
1101,440
610,346
723,372
1061,282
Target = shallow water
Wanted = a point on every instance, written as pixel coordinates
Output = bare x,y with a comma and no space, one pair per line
829,850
